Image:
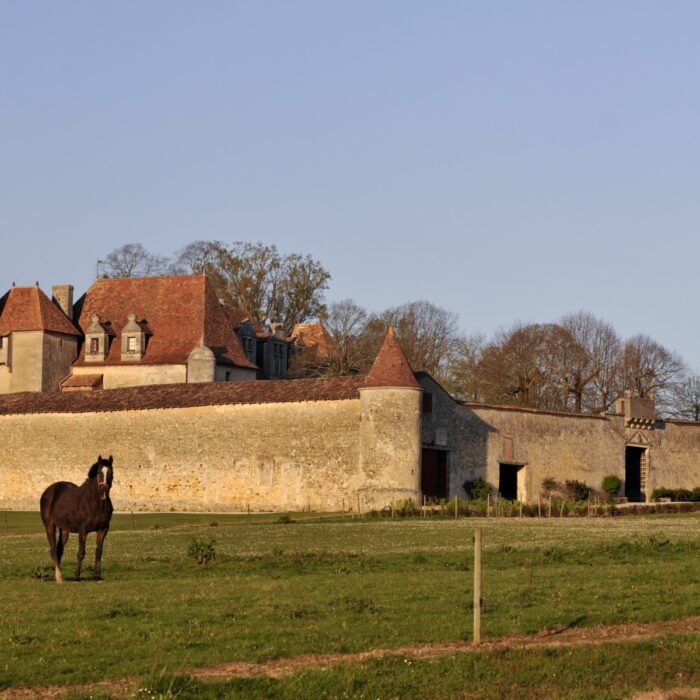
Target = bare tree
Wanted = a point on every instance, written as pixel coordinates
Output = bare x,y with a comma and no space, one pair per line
346,323
462,378
198,257
686,398
133,260
652,371
591,342
522,365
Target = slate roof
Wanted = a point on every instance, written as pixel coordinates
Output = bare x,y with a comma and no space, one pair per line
29,309
160,396
391,368
181,312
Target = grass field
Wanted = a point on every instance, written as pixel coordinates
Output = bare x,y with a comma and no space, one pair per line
282,589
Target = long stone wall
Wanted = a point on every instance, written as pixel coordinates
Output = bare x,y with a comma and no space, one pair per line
286,456
561,446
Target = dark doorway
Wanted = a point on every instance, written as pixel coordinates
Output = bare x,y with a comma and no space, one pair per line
433,478
635,458
508,481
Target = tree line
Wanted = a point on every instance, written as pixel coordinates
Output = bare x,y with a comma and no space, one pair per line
578,363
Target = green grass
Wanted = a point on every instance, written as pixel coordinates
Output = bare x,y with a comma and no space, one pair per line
277,590
600,672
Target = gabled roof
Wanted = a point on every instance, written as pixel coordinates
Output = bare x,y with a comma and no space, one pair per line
391,368
29,309
182,313
314,336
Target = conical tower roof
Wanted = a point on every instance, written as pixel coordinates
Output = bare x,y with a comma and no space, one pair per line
391,368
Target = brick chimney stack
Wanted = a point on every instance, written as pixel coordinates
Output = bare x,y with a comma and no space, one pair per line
63,298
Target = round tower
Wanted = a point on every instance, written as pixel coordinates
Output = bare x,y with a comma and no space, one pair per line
390,428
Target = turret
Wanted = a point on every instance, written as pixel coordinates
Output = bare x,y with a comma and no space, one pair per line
390,430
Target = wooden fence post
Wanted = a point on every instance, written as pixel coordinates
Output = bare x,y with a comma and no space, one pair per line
539,506
477,586
488,504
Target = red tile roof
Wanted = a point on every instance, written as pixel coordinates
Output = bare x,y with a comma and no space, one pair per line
391,368
181,312
29,309
184,395
81,381
237,315
314,336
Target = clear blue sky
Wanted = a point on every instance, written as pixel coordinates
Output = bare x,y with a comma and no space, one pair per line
502,159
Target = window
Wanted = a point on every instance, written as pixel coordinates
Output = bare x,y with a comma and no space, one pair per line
1,341
427,402
228,376
94,345
278,355
250,348
131,344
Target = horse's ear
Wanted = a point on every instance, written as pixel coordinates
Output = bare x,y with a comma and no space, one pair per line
110,460
93,470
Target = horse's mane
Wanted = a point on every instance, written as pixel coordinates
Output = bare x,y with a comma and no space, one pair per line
99,463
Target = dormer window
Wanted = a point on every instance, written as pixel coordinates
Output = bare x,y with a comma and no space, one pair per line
96,341
133,340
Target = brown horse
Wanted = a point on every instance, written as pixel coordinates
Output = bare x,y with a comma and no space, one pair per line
81,509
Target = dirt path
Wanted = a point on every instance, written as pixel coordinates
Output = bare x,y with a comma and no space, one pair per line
278,668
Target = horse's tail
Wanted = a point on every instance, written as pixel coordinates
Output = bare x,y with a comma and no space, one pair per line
46,504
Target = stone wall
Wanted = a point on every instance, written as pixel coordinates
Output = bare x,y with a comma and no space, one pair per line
279,457
675,457
24,372
59,353
38,361
554,445
118,376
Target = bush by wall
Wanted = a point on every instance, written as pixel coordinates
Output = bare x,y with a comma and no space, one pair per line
611,484
477,489
577,490
676,494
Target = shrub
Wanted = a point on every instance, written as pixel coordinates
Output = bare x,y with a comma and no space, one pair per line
676,494
477,489
202,550
611,484
549,484
577,490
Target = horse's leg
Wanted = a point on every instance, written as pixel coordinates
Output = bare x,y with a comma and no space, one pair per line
51,537
60,544
101,534
82,536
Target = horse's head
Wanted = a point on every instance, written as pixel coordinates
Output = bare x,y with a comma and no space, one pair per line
102,471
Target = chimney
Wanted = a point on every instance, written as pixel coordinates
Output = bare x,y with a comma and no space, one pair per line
63,298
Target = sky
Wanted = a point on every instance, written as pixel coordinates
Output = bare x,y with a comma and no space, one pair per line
504,160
